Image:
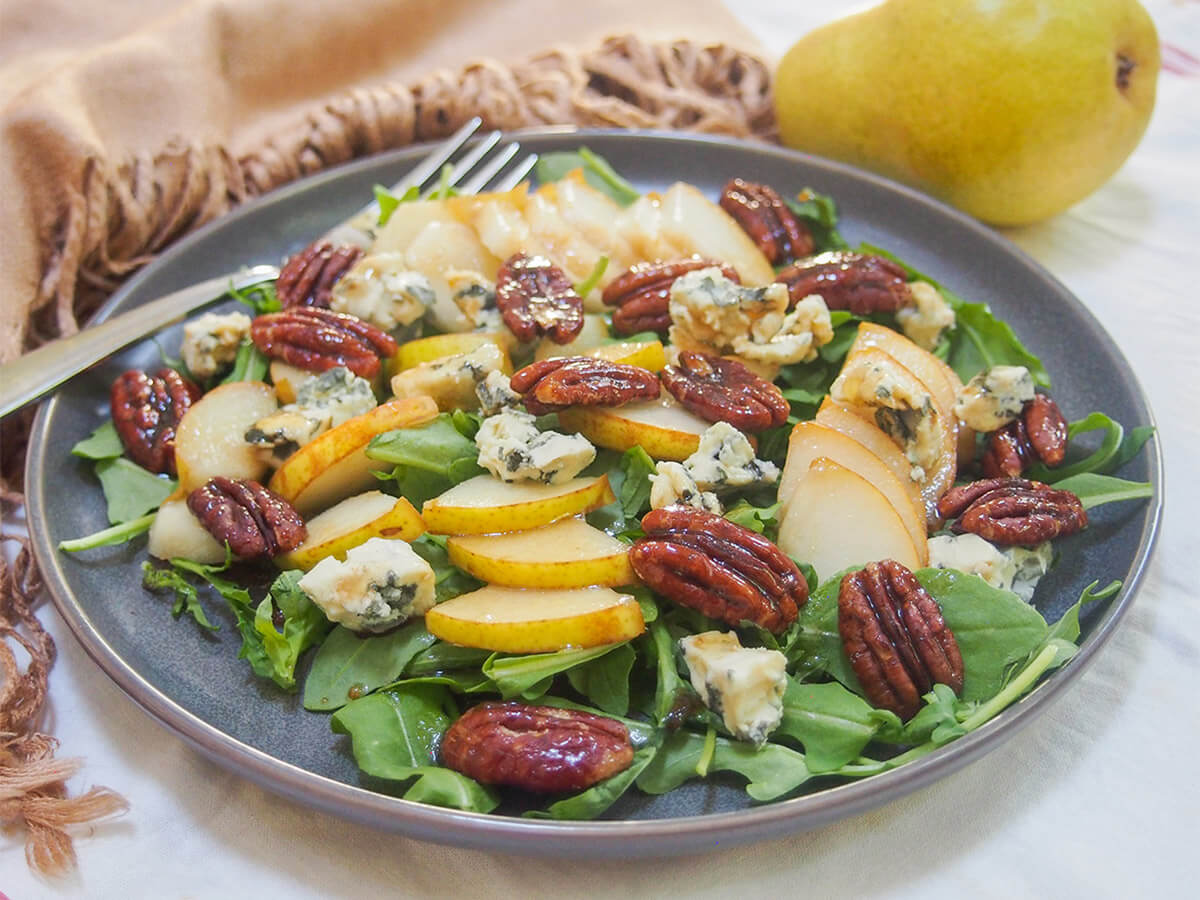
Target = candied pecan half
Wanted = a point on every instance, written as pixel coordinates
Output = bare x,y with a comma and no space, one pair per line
553,384
535,297
723,390
895,638
705,562
766,218
538,748
642,294
1010,511
307,278
253,520
860,282
145,411
1040,433
319,339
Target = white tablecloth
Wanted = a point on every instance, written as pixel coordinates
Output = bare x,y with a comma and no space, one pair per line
1099,796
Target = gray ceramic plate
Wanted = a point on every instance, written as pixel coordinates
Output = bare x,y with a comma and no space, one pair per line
192,682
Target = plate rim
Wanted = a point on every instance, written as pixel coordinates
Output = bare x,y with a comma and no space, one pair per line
605,838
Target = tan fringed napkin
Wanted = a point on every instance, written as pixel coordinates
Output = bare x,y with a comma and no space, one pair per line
126,124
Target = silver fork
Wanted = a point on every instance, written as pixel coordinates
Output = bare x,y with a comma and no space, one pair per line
34,374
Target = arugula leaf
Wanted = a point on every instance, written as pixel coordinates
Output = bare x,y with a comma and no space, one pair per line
636,467
444,190
773,443
261,297
585,287
251,364
831,723
443,657
605,681
387,201
449,579
1095,490
813,644
669,685
530,675
103,443
130,490
819,213
349,665
303,625
106,537
596,172
445,787
772,770
429,459
1115,448
187,598
761,519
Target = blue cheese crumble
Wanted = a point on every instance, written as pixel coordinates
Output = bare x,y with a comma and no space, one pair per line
512,449
725,460
928,317
713,314
1016,569
742,685
451,381
994,397
211,342
495,393
382,290
322,402
673,485
381,584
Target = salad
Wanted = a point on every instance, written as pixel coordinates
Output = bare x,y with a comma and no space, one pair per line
569,492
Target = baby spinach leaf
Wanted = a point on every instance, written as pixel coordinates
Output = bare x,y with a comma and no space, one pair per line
831,723
429,459
772,770
813,644
443,657
605,681
445,787
396,729
103,443
449,579
636,468
130,490
349,665
599,797
251,364
1095,490
819,213
994,629
530,676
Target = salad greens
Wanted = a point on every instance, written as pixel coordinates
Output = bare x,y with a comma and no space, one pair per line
395,694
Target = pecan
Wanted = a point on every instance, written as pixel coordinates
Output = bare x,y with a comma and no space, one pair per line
1040,433
859,282
146,409
535,297
307,278
642,295
553,384
1010,511
251,519
538,748
724,390
319,339
704,562
895,638
766,218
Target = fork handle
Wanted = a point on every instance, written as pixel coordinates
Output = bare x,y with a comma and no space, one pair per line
30,376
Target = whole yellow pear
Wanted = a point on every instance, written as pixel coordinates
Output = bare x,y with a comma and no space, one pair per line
1012,110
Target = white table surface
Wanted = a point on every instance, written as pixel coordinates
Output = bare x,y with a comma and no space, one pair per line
1098,797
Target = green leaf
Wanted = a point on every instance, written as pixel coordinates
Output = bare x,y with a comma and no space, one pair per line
117,534
814,644
449,580
529,676
429,459
584,287
772,770
636,468
596,172
599,797
444,190
387,201
669,685
937,721
994,629
443,657
819,213
349,665
760,519
261,297
396,729
103,443
303,625
605,681
251,364
831,723
1095,490
187,599
445,787
130,490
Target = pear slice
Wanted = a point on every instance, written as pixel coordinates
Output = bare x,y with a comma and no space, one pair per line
843,419
569,553
210,439
566,245
438,346
838,519
176,532
643,354
352,522
334,465
701,227
662,427
512,620
288,379
594,215
406,222
486,505
942,380
811,440
593,333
